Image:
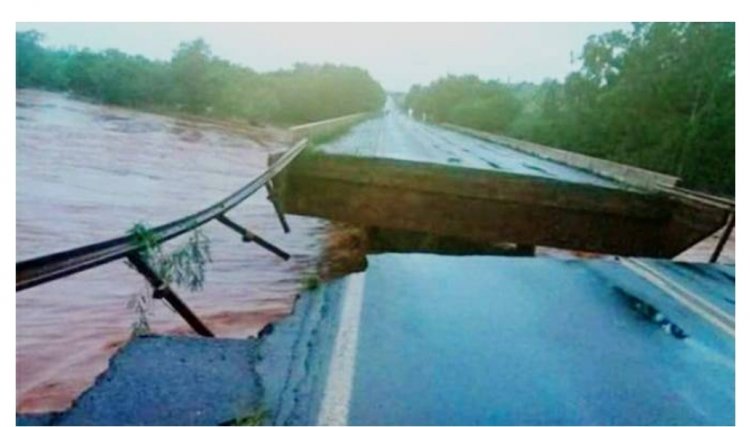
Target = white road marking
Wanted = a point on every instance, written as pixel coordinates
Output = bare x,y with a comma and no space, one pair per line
689,299
334,409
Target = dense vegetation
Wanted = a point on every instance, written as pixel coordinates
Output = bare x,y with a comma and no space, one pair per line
196,81
660,97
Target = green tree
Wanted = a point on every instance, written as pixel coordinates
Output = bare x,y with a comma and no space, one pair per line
660,97
194,83
466,100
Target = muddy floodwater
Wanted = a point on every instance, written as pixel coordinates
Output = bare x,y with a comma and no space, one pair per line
86,173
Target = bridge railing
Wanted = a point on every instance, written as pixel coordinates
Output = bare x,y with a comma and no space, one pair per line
37,271
631,175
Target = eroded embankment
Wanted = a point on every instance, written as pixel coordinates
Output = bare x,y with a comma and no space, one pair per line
167,380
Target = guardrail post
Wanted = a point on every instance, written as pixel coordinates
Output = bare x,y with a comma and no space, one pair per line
249,236
273,197
162,290
723,239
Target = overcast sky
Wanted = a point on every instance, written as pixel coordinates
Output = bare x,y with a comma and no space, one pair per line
396,54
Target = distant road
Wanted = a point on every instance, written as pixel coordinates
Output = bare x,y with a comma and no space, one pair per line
395,135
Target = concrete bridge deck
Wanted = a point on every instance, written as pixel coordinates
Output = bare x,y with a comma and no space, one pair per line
395,173
396,136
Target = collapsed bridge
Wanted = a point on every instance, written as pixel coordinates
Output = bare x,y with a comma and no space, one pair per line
393,175
477,321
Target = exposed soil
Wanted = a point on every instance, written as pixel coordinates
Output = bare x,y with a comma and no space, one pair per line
344,251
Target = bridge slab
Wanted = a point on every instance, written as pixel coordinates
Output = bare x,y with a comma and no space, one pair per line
491,206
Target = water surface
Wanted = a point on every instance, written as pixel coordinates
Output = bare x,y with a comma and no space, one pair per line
86,173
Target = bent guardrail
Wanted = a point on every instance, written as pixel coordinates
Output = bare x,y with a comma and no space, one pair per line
43,269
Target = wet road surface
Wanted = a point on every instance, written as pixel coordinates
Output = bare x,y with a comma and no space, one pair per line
395,135
495,341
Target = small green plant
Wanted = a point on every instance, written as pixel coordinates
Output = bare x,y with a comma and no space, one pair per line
255,418
183,266
140,303
311,282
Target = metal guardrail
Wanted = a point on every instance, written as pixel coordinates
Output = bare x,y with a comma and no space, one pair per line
627,174
37,271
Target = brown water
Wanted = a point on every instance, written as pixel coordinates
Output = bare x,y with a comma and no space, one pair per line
85,173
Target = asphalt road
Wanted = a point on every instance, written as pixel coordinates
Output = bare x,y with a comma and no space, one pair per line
509,341
395,135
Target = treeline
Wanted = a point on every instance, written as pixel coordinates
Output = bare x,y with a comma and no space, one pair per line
196,81
661,96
